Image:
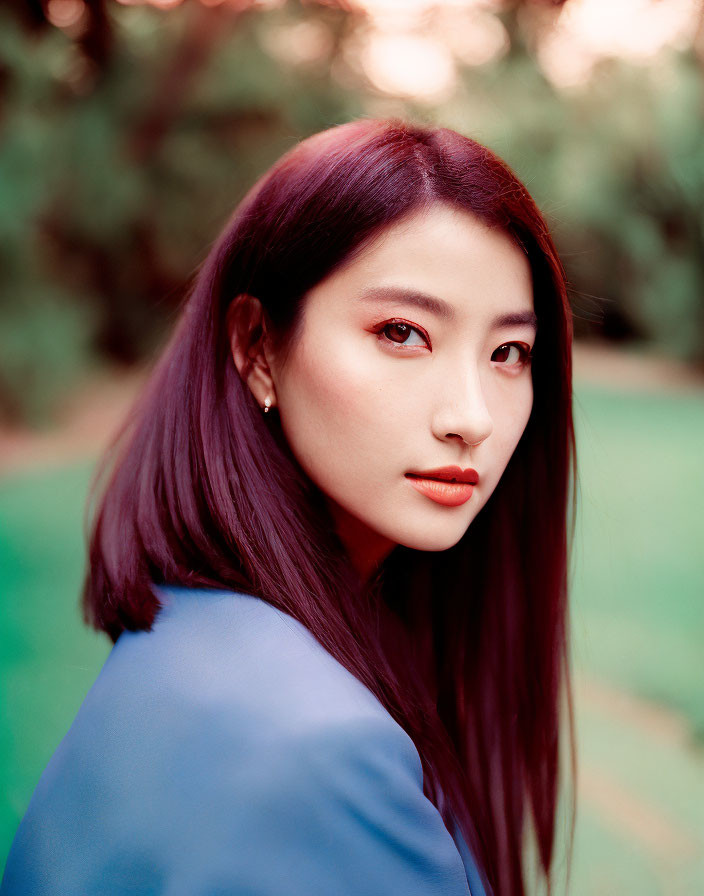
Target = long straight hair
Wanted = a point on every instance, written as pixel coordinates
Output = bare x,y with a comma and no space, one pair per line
467,648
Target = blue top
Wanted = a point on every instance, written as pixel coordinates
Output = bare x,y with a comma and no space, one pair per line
226,752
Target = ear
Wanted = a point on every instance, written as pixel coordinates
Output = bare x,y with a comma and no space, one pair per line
250,345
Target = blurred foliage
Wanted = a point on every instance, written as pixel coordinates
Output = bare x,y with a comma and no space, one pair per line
125,147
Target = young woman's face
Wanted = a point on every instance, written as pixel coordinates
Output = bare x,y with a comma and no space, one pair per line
411,357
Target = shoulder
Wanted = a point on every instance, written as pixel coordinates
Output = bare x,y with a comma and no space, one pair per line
238,655
227,750
224,676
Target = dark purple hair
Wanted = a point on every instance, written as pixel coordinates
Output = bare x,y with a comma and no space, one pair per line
467,648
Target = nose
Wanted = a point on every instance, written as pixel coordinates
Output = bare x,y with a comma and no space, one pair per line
463,413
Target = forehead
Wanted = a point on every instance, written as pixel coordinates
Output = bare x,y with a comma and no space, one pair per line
442,252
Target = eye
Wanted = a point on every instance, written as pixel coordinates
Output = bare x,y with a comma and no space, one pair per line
400,331
512,354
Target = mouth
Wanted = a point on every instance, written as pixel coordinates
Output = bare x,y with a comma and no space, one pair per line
449,492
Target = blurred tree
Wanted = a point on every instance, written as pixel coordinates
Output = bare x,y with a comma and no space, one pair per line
115,172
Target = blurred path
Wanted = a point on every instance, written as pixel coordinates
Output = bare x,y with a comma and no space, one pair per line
640,785
83,426
642,815
627,371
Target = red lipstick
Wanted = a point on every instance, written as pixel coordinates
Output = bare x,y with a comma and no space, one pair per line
450,486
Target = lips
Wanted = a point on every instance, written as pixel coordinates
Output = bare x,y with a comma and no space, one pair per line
450,486
447,474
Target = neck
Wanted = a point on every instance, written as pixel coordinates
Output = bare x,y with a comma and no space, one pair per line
366,548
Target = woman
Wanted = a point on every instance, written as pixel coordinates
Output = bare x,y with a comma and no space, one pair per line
332,673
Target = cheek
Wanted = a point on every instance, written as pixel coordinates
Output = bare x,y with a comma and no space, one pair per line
339,408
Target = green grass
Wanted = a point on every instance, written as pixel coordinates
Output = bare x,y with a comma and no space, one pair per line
638,592
638,624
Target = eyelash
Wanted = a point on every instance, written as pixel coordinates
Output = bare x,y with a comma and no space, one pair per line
525,351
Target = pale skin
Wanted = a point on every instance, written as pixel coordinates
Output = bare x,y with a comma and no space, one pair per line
376,387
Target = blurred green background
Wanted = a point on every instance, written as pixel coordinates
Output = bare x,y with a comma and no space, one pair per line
128,133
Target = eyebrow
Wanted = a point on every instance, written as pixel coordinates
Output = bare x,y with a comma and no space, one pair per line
440,308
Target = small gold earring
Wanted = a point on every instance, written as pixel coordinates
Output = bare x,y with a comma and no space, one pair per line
267,405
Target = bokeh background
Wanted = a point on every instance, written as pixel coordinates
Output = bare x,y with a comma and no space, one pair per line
129,131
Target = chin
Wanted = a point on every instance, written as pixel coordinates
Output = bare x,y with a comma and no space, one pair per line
436,540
